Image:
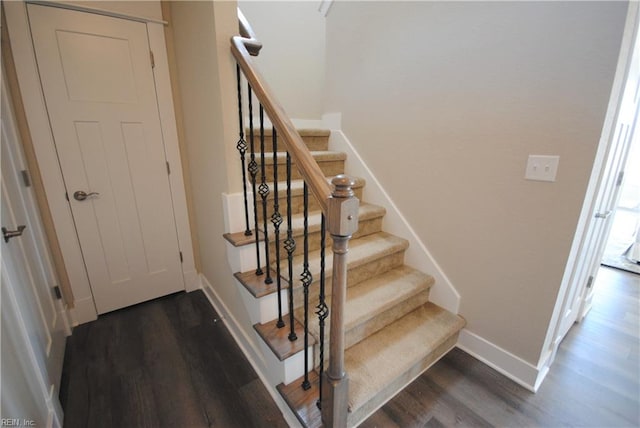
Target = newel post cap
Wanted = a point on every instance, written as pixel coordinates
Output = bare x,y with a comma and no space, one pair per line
342,186
342,218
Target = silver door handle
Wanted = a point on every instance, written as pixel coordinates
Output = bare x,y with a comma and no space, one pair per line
8,234
604,215
81,196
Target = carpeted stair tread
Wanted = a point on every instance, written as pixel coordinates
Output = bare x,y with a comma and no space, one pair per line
318,155
362,250
298,184
304,132
377,302
393,356
330,163
383,292
314,139
365,212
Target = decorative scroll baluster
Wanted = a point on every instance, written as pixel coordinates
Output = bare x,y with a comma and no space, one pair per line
290,246
322,309
263,189
306,279
340,207
242,148
253,171
276,219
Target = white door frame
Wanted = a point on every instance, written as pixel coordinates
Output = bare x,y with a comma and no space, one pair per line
44,147
41,366
589,207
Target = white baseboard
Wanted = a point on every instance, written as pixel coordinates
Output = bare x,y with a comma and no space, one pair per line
63,320
515,368
191,280
83,311
253,355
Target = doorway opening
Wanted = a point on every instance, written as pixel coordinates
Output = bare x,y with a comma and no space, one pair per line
620,249
576,293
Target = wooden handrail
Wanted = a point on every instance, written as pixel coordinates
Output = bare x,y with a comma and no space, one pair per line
250,40
339,206
300,154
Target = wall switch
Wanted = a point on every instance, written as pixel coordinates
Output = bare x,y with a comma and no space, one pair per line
542,168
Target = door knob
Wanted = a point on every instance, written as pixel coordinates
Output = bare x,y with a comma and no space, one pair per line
81,196
8,234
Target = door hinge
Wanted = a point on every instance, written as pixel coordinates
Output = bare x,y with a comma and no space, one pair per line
590,282
57,292
181,259
620,178
168,168
153,60
26,178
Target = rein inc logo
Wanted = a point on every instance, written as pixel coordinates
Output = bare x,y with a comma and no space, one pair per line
17,422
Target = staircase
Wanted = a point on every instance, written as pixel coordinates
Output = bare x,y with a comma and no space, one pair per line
392,331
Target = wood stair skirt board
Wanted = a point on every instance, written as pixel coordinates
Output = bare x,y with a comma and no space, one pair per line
393,332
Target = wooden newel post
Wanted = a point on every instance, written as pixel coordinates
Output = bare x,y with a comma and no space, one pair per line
342,222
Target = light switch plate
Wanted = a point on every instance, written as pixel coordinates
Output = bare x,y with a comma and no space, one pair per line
542,168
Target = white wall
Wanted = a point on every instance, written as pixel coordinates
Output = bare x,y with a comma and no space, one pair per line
206,84
293,55
445,101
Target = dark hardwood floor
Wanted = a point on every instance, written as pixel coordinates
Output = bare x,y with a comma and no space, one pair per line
166,363
171,362
594,381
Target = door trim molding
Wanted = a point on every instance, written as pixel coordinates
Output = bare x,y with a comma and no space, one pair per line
44,147
167,113
96,10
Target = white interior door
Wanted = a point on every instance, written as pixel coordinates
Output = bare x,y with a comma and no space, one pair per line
33,324
607,198
99,91
580,295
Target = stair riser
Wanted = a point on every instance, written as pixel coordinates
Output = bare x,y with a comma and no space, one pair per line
355,275
297,204
365,227
328,167
313,143
357,333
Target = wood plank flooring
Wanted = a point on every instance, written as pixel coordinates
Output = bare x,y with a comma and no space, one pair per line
171,362
594,382
166,363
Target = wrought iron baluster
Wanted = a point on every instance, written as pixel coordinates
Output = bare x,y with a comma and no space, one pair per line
306,279
290,246
263,189
253,171
242,148
276,219
321,309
